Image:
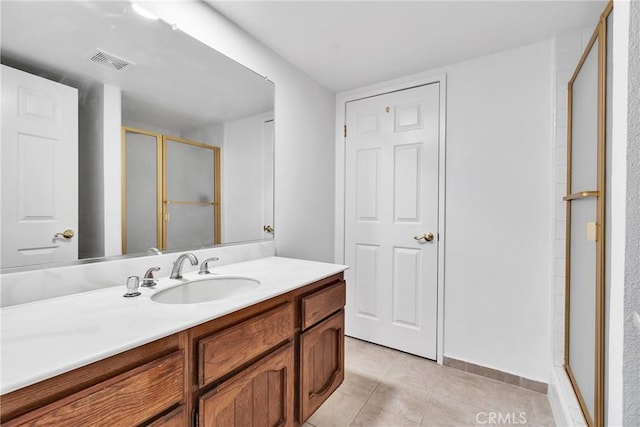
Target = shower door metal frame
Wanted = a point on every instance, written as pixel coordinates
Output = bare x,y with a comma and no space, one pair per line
158,138
216,204
600,34
161,185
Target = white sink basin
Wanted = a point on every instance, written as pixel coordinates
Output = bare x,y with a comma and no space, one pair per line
207,289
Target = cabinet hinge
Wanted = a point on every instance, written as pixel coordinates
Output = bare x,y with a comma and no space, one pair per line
345,131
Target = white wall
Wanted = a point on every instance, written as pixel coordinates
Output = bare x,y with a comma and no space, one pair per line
497,259
100,222
614,352
242,167
211,133
90,174
498,208
623,352
112,175
304,121
631,350
150,127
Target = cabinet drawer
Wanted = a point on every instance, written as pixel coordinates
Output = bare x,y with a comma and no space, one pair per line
321,304
224,351
127,399
321,363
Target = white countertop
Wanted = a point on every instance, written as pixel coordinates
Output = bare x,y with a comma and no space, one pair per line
45,338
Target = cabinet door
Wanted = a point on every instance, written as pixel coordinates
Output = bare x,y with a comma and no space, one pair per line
321,363
261,395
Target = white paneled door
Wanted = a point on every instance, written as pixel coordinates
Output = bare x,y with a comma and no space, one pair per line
391,219
39,170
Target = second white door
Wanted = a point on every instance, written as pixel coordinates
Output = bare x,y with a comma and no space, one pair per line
39,170
391,219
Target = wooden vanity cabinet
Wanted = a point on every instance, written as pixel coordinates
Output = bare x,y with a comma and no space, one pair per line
224,351
321,347
259,396
126,389
270,364
321,363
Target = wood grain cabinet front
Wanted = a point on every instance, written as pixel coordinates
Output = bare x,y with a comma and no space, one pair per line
221,353
128,399
175,418
322,303
260,396
321,363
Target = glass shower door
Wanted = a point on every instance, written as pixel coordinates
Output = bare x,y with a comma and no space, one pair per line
191,194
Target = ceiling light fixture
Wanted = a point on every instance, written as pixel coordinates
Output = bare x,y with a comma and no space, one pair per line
144,12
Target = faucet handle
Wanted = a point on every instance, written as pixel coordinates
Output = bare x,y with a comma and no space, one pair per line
149,281
204,267
132,286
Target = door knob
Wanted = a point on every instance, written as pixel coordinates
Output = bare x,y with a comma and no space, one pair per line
268,229
67,234
428,237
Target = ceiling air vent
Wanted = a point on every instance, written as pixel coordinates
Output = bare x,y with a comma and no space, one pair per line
110,61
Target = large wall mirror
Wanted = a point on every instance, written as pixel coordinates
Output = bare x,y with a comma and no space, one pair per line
586,255
121,134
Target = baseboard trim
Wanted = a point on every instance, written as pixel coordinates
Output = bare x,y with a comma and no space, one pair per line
497,375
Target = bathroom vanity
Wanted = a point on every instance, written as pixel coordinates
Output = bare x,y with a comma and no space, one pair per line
269,356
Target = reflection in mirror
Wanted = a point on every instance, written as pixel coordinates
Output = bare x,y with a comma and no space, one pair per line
72,95
192,193
141,190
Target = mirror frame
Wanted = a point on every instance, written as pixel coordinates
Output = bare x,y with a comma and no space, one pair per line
595,419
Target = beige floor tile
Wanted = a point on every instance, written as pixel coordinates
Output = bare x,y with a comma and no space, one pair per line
472,389
357,385
372,416
387,388
444,411
337,411
368,359
495,396
404,403
533,406
413,371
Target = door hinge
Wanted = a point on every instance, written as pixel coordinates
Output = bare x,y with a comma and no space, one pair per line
345,131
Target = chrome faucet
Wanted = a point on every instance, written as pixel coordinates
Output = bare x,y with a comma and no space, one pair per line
176,272
149,281
204,267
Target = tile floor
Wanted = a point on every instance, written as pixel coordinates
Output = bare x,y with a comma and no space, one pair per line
388,388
